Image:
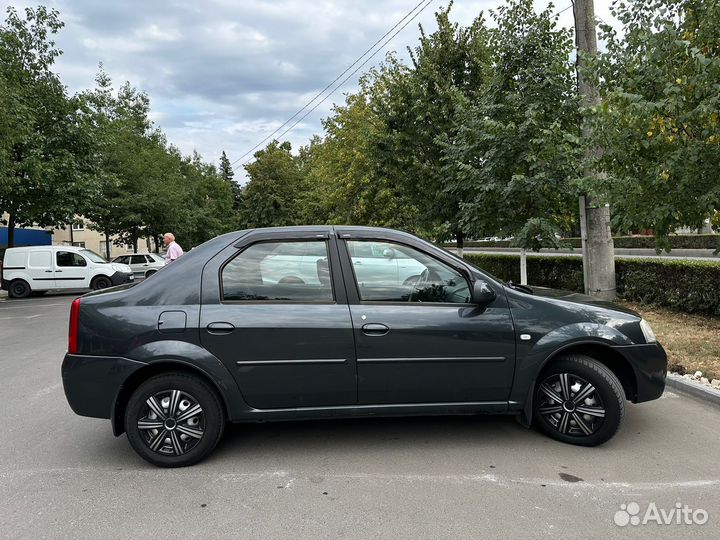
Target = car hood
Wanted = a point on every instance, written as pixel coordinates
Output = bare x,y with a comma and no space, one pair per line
578,298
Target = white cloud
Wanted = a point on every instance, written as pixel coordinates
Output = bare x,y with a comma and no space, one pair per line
223,74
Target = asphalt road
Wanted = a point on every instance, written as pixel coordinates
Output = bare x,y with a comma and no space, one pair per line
467,477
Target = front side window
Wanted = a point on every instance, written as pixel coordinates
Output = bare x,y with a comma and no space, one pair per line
69,258
404,274
138,259
295,271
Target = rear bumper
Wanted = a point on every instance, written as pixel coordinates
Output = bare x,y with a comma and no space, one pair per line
649,363
92,383
4,284
119,278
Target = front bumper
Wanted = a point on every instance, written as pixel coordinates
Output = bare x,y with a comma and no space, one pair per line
120,278
92,383
649,363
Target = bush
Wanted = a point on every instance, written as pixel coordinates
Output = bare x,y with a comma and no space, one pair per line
680,241
685,285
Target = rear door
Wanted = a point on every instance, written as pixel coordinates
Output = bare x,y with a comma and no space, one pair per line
139,265
422,340
71,270
40,269
275,313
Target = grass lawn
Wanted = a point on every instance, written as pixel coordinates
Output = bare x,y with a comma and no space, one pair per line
691,341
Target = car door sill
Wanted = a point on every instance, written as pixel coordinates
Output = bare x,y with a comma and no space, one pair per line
389,409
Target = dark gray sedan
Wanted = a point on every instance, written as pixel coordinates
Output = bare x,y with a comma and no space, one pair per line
326,322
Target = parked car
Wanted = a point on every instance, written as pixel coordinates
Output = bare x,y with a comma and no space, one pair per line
226,336
31,269
142,265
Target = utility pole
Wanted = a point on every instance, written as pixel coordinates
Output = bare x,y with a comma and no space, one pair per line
597,243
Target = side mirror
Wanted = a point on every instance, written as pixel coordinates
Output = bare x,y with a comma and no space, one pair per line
388,253
482,293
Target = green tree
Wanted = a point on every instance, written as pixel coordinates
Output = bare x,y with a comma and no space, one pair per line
659,123
270,198
418,105
228,174
348,173
516,143
46,171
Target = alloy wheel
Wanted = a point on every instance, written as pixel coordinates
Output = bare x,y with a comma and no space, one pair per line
571,405
171,423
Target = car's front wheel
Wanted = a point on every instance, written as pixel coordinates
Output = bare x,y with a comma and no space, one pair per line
174,420
101,282
578,400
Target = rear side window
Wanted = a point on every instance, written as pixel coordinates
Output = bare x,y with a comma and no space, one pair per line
68,258
294,271
138,259
39,259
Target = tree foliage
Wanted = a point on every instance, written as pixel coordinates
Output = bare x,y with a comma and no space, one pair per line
515,146
44,165
659,123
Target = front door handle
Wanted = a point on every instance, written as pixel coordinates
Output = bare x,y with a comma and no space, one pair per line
219,328
375,329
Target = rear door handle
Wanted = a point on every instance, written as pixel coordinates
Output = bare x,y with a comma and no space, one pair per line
375,329
219,328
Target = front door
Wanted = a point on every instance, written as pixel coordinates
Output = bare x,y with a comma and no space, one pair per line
281,323
419,338
70,270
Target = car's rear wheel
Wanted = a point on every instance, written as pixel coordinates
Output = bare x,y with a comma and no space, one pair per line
101,282
174,420
19,289
578,400
149,273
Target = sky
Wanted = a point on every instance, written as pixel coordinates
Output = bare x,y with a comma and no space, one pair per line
224,74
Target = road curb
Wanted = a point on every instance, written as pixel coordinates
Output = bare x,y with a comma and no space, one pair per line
693,388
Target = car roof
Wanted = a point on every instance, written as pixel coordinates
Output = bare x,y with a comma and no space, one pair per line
52,248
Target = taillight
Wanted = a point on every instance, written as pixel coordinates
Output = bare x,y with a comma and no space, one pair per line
73,334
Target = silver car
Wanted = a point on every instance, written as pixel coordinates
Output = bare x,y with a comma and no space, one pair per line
143,265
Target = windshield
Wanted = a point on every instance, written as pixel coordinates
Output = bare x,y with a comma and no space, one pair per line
94,257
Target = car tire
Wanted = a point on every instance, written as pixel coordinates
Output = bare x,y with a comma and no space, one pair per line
101,282
578,400
19,288
149,273
160,430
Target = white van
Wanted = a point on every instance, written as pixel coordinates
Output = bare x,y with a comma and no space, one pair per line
43,268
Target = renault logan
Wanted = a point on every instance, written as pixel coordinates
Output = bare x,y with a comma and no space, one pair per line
326,322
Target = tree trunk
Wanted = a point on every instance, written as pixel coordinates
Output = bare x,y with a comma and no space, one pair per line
72,235
460,243
107,244
597,243
11,231
523,266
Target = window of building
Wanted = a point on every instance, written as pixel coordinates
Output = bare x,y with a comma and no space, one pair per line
78,226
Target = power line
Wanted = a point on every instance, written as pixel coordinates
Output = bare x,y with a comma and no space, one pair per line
336,78
428,2
348,77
